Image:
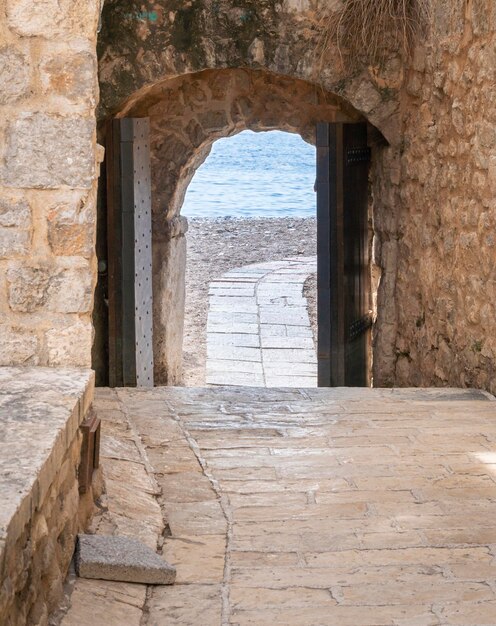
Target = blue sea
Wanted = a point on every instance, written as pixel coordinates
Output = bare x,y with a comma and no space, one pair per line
269,174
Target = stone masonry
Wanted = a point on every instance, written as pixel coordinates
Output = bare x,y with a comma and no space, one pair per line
212,71
447,217
432,187
204,70
48,172
41,509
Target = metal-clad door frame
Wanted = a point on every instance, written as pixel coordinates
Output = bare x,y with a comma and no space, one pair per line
330,255
356,159
342,285
129,247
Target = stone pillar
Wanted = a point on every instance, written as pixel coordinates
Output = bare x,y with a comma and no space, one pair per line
385,191
169,270
48,173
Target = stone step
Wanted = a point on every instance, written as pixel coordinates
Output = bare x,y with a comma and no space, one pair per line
121,559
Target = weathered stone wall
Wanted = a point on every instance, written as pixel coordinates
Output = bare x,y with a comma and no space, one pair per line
433,187
206,70
35,564
169,263
446,289
42,510
143,44
48,171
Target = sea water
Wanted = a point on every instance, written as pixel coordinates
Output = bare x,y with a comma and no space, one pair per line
269,174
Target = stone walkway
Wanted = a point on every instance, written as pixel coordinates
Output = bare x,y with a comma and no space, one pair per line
258,331
315,507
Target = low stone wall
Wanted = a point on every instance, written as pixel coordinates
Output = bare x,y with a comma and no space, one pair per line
42,511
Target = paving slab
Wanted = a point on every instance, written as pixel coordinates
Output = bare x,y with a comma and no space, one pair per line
302,507
271,312
121,559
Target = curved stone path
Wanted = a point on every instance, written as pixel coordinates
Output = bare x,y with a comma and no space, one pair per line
258,330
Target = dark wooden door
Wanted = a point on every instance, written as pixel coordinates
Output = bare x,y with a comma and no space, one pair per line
343,274
129,253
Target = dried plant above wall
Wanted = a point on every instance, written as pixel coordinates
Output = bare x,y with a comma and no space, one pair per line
366,29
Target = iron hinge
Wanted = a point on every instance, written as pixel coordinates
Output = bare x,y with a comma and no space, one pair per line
358,327
358,155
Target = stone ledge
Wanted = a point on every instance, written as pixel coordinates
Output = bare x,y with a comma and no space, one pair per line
41,410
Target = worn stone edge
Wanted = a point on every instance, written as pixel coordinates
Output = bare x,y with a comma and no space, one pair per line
62,439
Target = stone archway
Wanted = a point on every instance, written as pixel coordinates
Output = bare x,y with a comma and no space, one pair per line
187,114
266,60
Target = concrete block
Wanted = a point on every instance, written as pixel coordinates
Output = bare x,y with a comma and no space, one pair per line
122,559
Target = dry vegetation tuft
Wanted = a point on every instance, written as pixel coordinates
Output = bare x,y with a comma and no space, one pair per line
365,29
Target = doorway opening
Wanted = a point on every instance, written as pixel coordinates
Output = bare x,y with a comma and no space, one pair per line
252,248
188,114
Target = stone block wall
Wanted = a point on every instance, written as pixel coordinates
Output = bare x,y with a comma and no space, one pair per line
433,186
446,283
214,70
48,171
35,563
42,510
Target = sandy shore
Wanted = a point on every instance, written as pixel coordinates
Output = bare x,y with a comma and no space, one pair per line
218,245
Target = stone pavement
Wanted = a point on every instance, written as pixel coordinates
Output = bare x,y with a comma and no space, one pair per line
258,330
315,507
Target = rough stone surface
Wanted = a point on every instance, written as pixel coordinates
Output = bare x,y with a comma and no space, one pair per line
53,18
121,558
49,151
15,213
447,253
48,171
285,39
14,242
314,506
59,289
69,343
15,227
71,230
19,345
42,512
14,75
168,286
70,76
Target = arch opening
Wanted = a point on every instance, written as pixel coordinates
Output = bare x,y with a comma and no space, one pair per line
251,211
266,174
187,115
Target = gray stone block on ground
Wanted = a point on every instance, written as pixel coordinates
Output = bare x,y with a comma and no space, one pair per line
121,559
